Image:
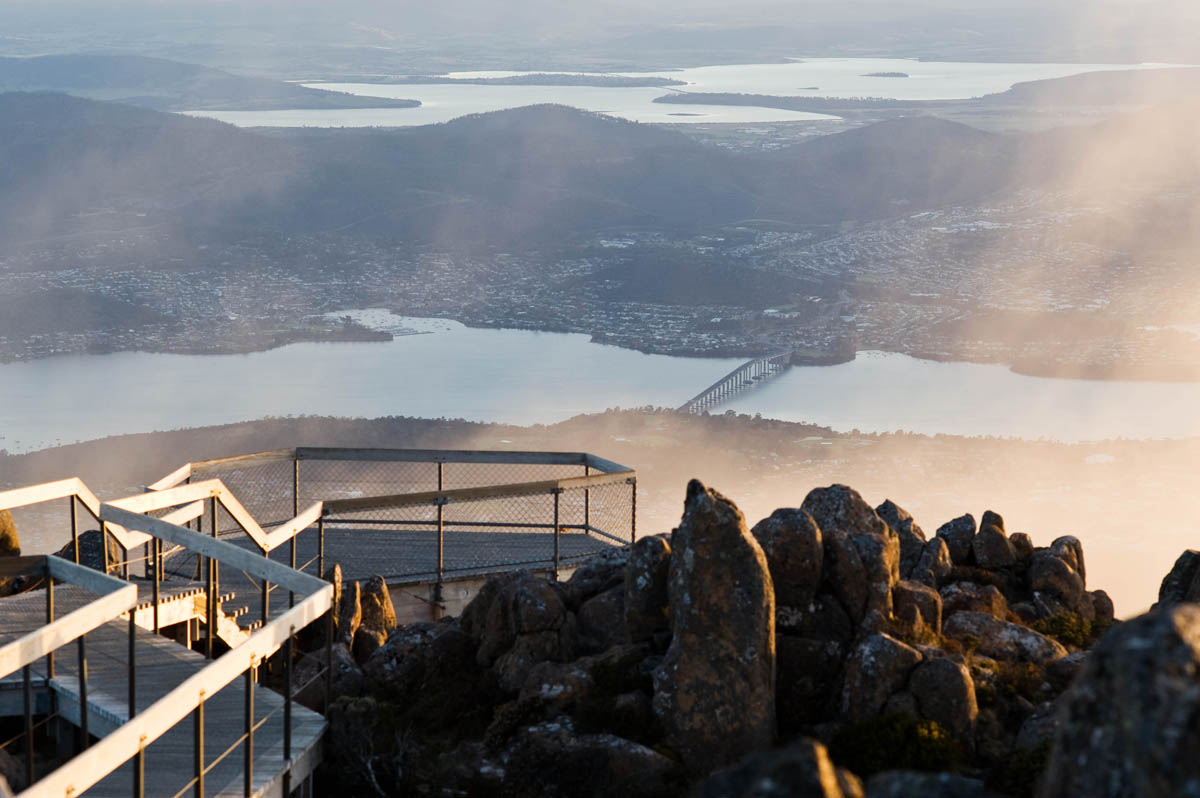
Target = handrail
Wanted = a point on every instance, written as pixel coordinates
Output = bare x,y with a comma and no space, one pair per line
509,490
198,492
116,597
132,737
48,492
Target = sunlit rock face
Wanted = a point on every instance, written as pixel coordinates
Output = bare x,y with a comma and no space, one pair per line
715,690
1130,725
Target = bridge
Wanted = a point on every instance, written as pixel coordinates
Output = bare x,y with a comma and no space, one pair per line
744,377
166,683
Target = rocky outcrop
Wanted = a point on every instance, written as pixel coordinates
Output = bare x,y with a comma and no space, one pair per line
659,663
10,541
714,693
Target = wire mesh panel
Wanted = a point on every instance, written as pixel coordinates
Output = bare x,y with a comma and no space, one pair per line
528,514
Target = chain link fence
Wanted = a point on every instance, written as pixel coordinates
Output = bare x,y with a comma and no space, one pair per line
428,515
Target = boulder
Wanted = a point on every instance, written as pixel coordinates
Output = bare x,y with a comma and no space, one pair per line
990,545
602,620
1022,544
349,612
809,674
914,598
945,694
510,606
802,770
377,610
970,597
1128,725
791,541
1000,639
913,783
959,535
1070,550
878,667
553,759
862,554
1054,576
912,538
596,575
366,642
1181,583
12,771
1038,728
422,658
308,678
934,565
10,541
91,550
840,508
1102,606
646,607
714,692
823,619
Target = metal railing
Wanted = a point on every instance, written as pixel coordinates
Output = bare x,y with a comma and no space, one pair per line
430,514
311,600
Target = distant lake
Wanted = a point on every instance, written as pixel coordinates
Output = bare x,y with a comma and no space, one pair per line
817,77
522,377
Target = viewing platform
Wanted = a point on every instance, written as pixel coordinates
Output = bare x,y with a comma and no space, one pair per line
162,669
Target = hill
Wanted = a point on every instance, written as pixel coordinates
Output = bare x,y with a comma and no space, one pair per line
170,85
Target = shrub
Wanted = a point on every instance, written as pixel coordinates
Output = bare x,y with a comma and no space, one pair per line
895,742
1067,628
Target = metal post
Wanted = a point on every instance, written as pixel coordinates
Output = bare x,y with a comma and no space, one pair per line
248,767
132,663
328,659
104,544
587,504
158,563
266,594
198,747
557,492
83,699
49,620
321,547
296,488
287,712
211,619
292,563
441,545
29,774
75,526
139,773
633,510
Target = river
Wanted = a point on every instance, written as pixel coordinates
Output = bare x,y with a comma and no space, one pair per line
445,369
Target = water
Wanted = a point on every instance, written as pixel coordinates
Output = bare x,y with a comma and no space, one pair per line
523,377
819,77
